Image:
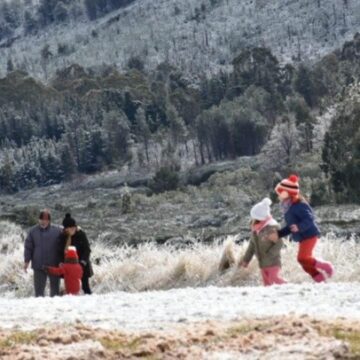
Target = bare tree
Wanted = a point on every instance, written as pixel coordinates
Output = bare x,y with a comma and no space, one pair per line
283,146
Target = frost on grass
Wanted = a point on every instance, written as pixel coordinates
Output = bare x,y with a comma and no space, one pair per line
153,267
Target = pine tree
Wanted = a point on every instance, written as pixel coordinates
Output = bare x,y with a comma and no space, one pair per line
305,86
142,130
68,163
10,66
7,181
117,129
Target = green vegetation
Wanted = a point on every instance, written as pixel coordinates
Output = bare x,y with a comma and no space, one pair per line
349,335
18,338
87,121
165,179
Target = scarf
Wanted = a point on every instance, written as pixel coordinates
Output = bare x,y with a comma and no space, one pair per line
285,206
256,228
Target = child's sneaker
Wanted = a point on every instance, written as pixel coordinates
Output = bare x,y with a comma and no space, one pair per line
319,277
325,266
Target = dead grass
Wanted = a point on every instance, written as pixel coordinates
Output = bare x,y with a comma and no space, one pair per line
337,339
18,338
350,335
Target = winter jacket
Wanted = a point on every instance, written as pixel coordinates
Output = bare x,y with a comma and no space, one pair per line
41,246
302,215
80,241
72,273
267,252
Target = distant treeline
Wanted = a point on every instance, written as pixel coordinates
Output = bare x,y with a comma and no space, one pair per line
87,121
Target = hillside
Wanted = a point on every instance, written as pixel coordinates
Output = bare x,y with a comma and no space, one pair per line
148,119
196,37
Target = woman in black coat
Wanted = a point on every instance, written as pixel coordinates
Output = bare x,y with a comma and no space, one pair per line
74,236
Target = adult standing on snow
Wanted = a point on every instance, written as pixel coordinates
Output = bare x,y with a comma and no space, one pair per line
74,236
42,249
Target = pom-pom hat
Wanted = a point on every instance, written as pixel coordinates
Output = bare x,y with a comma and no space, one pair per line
261,211
68,221
71,253
290,184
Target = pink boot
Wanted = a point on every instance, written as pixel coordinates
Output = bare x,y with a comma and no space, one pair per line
325,266
319,278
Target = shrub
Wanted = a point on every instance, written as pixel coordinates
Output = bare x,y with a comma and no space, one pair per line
165,179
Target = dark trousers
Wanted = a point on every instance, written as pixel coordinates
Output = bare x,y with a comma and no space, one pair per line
40,278
85,285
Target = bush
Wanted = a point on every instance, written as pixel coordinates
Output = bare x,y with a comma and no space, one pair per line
26,216
320,193
165,179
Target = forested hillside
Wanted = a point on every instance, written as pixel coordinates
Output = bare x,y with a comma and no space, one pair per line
197,37
84,102
85,122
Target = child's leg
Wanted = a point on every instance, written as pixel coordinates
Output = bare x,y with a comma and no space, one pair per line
274,275
271,276
325,266
305,256
265,277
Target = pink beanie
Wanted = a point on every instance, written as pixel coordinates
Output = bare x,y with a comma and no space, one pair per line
291,185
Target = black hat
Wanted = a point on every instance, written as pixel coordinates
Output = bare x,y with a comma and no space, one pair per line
68,221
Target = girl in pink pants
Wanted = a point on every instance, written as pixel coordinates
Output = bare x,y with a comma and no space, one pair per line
266,251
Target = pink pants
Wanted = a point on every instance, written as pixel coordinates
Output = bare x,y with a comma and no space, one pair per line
305,256
271,276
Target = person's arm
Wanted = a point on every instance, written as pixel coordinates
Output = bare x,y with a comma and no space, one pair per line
57,271
285,231
28,250
290,220
250,251
270,233
84,255
275,248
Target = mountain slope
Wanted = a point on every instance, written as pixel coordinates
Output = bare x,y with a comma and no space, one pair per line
196,37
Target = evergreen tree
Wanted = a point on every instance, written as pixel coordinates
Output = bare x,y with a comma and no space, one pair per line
117,129
10,66
7,181
304,85
143,130
176,125
67,159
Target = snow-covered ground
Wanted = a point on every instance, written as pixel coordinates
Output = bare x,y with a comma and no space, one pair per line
155,309
150,286
178,304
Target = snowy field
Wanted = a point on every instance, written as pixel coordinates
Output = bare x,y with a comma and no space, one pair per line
150,286
167,302
156,309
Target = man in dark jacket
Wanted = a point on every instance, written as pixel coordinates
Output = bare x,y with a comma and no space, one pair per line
74,236
42,249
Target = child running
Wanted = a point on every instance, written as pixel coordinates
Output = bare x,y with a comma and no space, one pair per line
267,251
300,223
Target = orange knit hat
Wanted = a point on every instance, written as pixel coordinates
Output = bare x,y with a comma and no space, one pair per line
291,185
